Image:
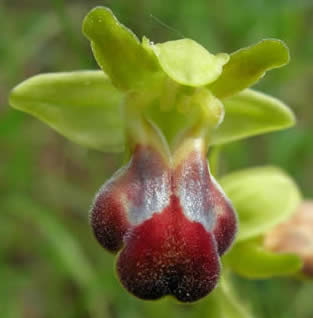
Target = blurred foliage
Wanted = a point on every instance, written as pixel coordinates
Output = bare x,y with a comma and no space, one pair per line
50,264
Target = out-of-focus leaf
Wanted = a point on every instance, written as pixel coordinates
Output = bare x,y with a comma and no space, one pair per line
10,122
117,50
62,242
263,197
250,259
251,113
64,246
246,66
83,106
188,63
12,282
39,30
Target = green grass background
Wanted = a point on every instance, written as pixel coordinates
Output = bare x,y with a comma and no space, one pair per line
50,264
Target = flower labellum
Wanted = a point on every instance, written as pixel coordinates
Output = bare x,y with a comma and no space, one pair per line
168,217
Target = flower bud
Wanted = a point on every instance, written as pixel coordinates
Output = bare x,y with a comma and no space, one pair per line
295,236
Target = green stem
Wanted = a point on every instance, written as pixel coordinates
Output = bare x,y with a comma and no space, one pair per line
214,160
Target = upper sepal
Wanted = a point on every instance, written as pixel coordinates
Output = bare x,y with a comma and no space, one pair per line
188,63
117,50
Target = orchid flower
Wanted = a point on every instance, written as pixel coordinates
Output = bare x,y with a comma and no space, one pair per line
164,105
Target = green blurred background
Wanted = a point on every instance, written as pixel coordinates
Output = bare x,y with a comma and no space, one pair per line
50,264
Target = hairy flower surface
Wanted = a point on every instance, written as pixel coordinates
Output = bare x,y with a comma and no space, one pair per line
170,219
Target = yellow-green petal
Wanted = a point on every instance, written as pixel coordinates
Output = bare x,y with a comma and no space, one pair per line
246,66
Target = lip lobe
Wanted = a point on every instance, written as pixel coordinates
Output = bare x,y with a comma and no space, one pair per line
171,224
168,254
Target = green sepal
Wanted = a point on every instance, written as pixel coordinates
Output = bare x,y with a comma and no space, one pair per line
188,63
83,106
262,197
117,50
251,113
251,260
246,66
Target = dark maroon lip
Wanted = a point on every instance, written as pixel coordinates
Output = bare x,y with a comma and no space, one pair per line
171,224
169,255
